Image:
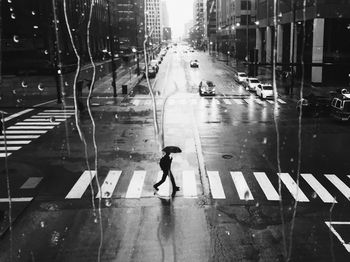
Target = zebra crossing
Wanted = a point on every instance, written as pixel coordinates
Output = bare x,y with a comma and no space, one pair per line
24,132
235,186
206,101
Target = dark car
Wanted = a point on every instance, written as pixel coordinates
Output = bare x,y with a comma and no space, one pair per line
151,72
194,63
313,105
340,105
206,88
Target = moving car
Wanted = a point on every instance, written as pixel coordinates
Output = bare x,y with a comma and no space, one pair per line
251,83
340,105
194,63
240,77
206,88
264,91
313,105
151,72
154,65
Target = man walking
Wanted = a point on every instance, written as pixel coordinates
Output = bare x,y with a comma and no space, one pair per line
165,165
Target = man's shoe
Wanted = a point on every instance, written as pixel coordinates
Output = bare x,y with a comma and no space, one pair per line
155,188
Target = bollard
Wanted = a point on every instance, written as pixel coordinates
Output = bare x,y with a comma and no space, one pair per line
124,89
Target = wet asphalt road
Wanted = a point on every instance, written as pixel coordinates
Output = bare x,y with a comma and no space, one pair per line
231,132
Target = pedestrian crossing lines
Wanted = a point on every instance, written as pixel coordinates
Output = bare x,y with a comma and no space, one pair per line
207,101
24,132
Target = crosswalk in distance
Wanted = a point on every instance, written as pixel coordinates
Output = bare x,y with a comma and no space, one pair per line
24,132
207,101
220,188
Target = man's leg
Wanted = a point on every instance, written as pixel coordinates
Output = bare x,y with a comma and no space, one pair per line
175,188
155,186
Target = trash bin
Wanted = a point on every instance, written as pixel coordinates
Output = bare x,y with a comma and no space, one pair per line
124,89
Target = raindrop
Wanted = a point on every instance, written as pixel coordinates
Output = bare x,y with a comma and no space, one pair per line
257,204
314,136
46,52
130,156
96,220
52,119
107,194
108,202
265,140
42,224
33,12
66,83
19,100
11,9
246,195
227,232
9,1
19,253
13,16
253,235
133,149
40,87
59,71
263,155
14,92
314,195
24,84
219,215
292,160
15,38
116,116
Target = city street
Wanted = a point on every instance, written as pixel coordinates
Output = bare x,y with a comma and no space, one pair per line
256,182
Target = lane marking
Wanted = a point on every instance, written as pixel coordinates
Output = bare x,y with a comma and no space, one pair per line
238,101
16,199
340,185
48,117
31,183
17,114
25,132
215,184
164,189
59,111
30,127
46,120
136,184
109,184
281,101
15,142
241,185
5,155
266,186
335,232
293,187
47,123
270,102
81,185
227,102
318,188
189,184
10,148
136,102
258,101
20,137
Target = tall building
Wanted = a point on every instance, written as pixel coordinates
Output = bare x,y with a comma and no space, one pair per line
197,31
318,35
236,27
210,23
153,20
187,27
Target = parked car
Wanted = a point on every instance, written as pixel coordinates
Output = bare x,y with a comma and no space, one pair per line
151,72
154,65
240,77
340,105
206,88
251,83
194,63
313,105
264,91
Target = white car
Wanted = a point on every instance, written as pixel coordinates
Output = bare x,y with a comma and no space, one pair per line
206,88
264,91
240,77
194,63
251,83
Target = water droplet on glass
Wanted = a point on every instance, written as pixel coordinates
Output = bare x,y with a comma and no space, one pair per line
14,92
33,12
314,195
9,1
19,100
246,195
52,119
46,52
24,84
13,16
257,204
253,235
40,87
108,202
314,136
42,224
227,232
265,140
15,38
292,160
66,83
95,220
116,116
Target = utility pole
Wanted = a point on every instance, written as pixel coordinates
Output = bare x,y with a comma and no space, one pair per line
293,40
111,43
136,41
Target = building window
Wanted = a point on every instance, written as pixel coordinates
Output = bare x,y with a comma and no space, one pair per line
246,5
244,19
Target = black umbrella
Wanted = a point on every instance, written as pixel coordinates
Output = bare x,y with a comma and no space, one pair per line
172,149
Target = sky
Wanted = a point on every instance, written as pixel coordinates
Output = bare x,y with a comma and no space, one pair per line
180,12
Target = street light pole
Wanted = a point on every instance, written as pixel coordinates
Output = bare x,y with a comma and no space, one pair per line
111,43
293,40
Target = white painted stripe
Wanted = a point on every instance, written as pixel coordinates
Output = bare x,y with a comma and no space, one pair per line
266,186
47,102
241,186
281,101
217,101
136,184
48,117
335,232
10,148
258,101
249,101
17,114
20,137
12,132
164,189
189,185
342,187
31,183
55,114
136,102
109,184
59,111
16,199
227,102
46,120
147,102
31,127
238,101
270,102
318,188
5,155
215,184
81,185
15,142
293,187
46,123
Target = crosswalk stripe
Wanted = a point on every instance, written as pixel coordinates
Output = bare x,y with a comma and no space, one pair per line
249,101
266,186
16,199
281,101
257,100
30,127
37,123
293,188
136,102
81,185
189,184
136,184
238,101
15,142
20,137
109,184
342,187
217,101
270,102
45,120
147,102
164,189
49,116
12,132
241,186
10,148
5,155
318,188
227,102
217,190
58,111
31,182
